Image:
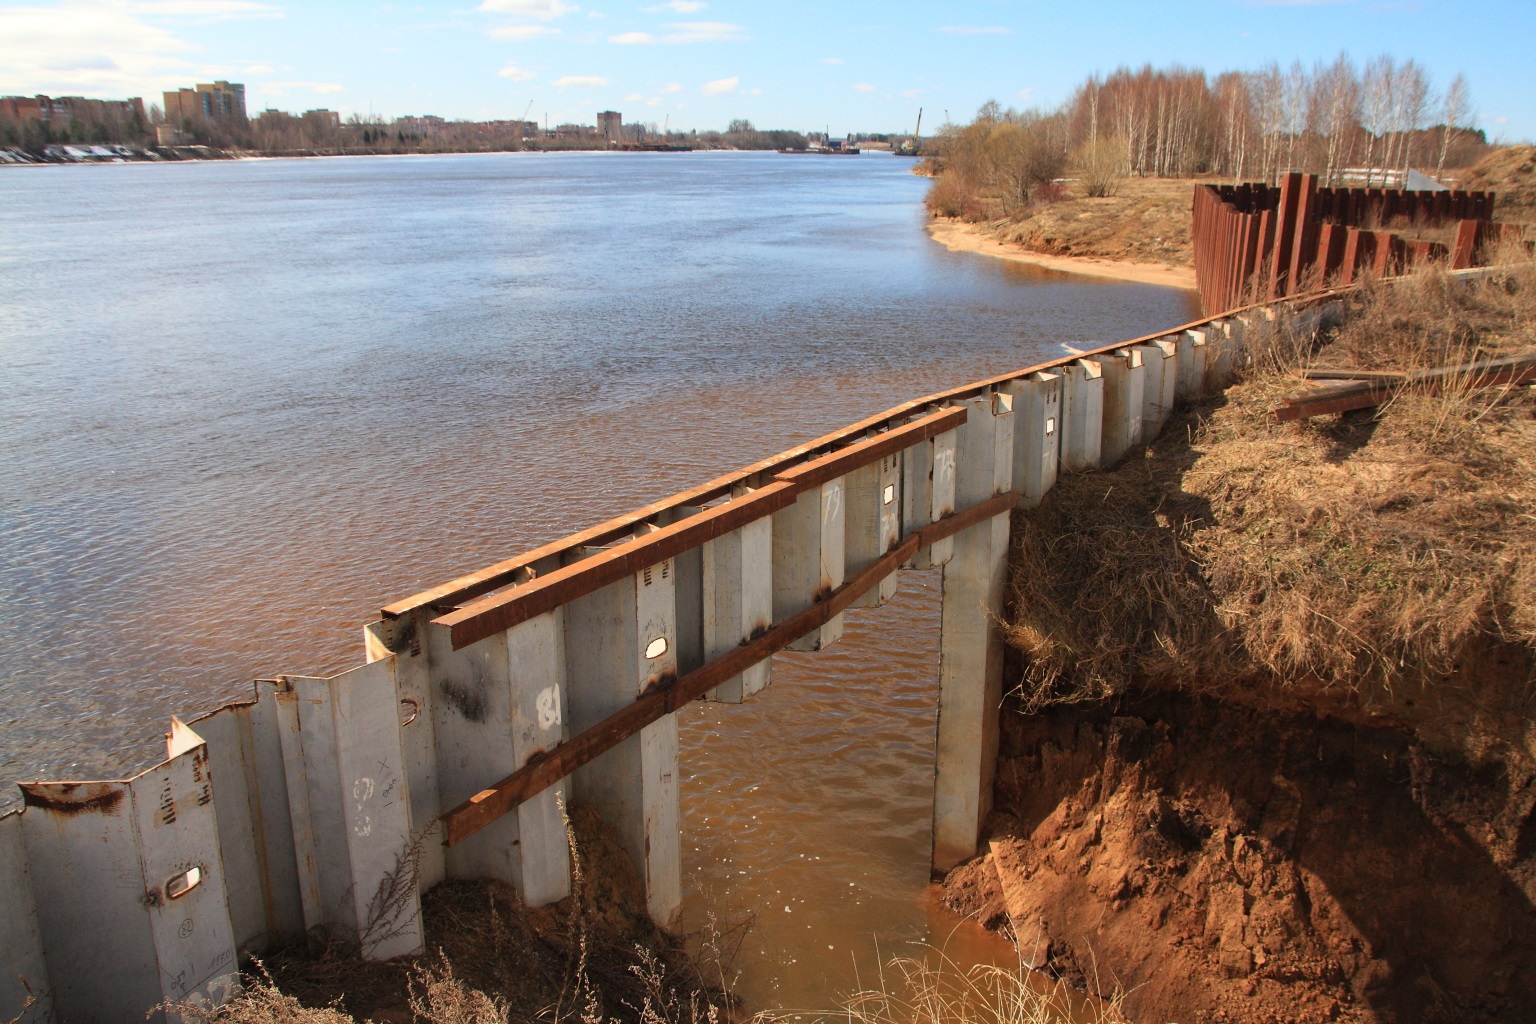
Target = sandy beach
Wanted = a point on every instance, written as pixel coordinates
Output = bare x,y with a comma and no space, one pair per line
960,236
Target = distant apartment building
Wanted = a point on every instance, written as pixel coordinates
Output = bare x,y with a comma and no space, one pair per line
323,118
610,125
60,110
426,126
223,102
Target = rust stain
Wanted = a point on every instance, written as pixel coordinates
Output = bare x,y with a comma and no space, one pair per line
659,682
74,797
468,700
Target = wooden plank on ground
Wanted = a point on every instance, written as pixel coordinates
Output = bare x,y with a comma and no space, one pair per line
1345,395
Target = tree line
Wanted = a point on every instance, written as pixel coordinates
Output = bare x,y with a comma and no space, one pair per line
1340,121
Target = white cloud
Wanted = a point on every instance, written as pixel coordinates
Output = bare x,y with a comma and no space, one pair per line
720,86
580,81
259,69
544,10
1026,94
974,30
654,101
912,94
217,9
512,33
516,73
831,60
677,7
634,97
755,92
92,48
703,32
672,87
684,32
863,87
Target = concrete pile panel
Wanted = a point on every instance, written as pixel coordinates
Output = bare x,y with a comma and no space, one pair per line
472,726
245,755
1124,398
873,523
405,639
349,802
536,659
971,641
928,494
1191,368
130,884
688,585
1161,375
25,995
808,558
1220,358
1036,434
1082,415
620,641
738,602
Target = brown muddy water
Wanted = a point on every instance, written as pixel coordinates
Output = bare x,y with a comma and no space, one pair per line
245,404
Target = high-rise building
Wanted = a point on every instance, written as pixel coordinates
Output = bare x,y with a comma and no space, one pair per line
210,101
609,124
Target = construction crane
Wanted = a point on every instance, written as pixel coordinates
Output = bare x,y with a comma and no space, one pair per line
918,131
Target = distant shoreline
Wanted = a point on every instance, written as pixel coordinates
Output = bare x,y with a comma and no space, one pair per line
205,154
960,236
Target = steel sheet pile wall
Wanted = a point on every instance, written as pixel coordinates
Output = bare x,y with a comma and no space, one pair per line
325,806
1255,243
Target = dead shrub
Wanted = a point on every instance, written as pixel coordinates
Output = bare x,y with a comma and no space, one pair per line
438,997
951,195
911,989
1354,551
260,1002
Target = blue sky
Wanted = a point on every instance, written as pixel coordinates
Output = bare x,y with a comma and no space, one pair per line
851,66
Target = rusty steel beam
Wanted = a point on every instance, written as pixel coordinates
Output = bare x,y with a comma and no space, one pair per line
498,611
545,770
494,577
845,460
1347,395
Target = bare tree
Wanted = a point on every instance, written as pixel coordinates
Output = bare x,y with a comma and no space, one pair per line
1336,96
1412,94
1377,87
1455,113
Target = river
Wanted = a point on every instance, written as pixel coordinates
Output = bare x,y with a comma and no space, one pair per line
244,404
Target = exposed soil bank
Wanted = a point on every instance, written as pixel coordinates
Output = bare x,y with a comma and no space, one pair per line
1283,765
960,236
1223,863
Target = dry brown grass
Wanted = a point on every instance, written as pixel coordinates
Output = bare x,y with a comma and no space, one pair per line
1350,552
593,958
1510,171
937,990
1147,220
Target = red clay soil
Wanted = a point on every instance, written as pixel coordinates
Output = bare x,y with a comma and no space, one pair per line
1221,863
